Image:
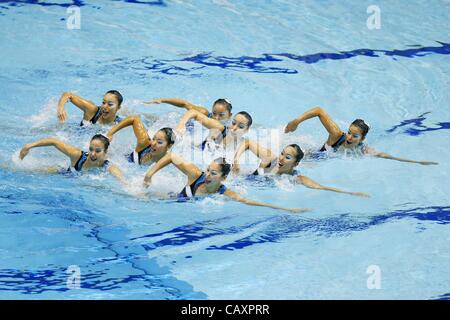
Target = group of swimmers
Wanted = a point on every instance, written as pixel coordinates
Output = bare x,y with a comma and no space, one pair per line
225,129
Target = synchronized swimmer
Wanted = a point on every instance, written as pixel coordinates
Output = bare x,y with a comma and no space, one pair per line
224,129
338,140
220,134
204,183
106,114
148,150
285,163
221,109
80,160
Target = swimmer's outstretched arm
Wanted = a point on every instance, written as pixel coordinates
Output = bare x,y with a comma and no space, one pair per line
162,163
117,173
378,154
88,107
189,169
143,140
333,129
199,117
262,153
72,152
237,197
180,104
309,183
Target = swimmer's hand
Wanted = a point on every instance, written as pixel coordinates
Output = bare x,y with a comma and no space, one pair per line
291,126
154,101
360,194
147,181
62,115
427,163
24,151
236,167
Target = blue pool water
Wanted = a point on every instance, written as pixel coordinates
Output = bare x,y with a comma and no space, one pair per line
274,59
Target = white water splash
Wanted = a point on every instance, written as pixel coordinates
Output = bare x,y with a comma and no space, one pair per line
45,115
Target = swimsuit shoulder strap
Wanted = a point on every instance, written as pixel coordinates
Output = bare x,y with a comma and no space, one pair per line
335,145
261,170
79,164
96,116
93,119
118,119
338,143
143,152
106,164
130,157
190,190
204,144
197,183
224,132
222,189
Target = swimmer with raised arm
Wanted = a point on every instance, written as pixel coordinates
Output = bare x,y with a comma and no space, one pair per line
147,150
81,160
105,114
285,163
221,109
338,140
202,183
226,135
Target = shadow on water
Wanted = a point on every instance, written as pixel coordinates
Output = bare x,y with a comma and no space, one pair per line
143,272
445,296
6,4
265,62
418,127
285,226
78,3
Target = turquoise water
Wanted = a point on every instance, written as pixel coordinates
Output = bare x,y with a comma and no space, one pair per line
274,60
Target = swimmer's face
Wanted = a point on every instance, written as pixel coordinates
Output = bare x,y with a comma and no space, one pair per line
110,105
354,136
160,144
220,112
239,125
97,153
288,158
214,174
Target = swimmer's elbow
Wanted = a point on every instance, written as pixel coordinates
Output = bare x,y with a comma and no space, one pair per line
67,94
307,182
205,112
191,113
135,118
319,111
